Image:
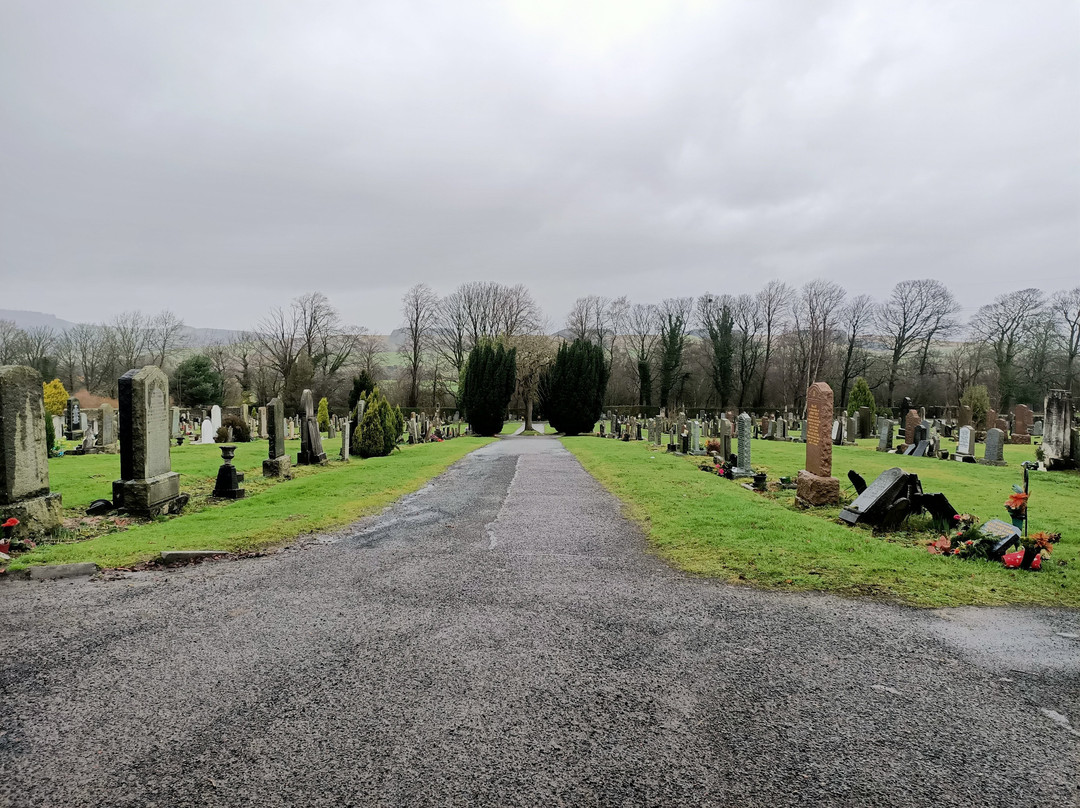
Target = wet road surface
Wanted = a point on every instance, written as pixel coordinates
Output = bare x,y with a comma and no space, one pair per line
503,637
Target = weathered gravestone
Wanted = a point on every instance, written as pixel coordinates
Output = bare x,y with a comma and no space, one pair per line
910,422
278,464
311,450
744,469
725,439
147,486
815,485
995,441
991,419
263,433
345,430
965,416
24,455
885,435
108,438
1036,429
965,447
1057,430
174,422
1023,418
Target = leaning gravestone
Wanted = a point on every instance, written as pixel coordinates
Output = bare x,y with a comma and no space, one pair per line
744,469
311,450
147,486
995,441
872,504
815,485
278,464
24,455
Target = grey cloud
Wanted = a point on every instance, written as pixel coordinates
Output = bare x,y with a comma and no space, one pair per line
219,158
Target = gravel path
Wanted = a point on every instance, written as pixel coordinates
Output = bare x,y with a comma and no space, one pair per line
503,637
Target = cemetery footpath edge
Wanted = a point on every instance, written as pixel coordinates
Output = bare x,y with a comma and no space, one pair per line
273,514
713,527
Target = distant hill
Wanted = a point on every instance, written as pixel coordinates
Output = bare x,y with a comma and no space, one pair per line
193,337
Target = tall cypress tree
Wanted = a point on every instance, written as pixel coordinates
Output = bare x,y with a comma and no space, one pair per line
487,385
575,386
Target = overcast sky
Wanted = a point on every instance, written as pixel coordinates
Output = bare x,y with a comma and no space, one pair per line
218,158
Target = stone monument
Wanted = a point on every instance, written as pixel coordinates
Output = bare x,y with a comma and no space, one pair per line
147,486
311,450
24,455
816,486
278,465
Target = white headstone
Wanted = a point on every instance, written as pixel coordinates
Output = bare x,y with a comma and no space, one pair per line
215,417
208,431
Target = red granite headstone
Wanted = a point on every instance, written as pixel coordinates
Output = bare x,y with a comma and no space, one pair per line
815,484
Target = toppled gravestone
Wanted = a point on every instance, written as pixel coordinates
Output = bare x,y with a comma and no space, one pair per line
891,498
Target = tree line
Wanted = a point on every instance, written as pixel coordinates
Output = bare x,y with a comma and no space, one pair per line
755,350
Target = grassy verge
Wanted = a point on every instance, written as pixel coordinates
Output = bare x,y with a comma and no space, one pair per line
710,526
273,512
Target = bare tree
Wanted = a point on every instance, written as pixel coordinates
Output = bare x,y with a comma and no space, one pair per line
1004,324
10,337
587,319
94,346
642,325
368,350
419,306
1066,306
66,350
967,362
816,312
36,347
746,313
857,316
714,312
164,335
451,336
535,352
914,314
130,334
772,307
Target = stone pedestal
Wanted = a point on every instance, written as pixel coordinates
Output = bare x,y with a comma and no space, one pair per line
150,497
278,468
36,515
815,491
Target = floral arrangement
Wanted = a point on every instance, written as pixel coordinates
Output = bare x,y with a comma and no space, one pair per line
965,540
1041,541
1016,504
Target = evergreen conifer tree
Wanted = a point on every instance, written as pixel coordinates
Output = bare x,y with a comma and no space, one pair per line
861,396
487,385
575,387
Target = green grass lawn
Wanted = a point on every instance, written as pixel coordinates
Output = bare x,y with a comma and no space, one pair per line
319,498
711,526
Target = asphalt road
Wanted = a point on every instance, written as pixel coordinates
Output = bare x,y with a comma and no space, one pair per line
503,637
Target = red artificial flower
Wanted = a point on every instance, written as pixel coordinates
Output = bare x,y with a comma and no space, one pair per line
12,522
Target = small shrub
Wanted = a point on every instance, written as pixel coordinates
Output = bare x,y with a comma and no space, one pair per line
324,415
240,430
861,396
56,397
713,445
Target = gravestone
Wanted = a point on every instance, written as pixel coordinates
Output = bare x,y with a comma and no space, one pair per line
215,418
873,503
1023,418
851,432
108,438
885,435
744,469
1036,429
1057,442
991,419
865,424
278,464
57,427
263,424
965,447
207,435
725,439
993,456
965,416
147,486
24,455
311,451
345,432
910,422
174,422
73,428
695,438
815,485
803,432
